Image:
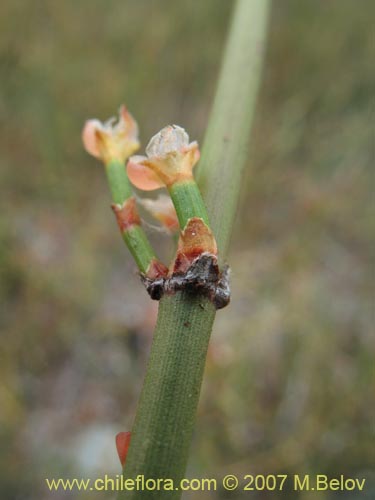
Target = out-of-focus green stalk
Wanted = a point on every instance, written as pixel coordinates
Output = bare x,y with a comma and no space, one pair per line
164,422
219,172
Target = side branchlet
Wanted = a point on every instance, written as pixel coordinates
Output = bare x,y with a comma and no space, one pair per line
113,142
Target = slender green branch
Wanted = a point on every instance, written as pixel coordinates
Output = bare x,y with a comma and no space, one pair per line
118,181
188,202
163,426
140,247
134,236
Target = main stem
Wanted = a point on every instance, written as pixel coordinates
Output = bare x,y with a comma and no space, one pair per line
166,412
171,390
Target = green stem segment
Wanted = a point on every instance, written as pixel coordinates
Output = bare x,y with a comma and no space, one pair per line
134,237
140,247
224,152
163,426
188,202
118,181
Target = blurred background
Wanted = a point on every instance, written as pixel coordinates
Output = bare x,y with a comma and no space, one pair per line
289,382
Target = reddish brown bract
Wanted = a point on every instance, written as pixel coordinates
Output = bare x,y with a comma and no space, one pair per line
126,214
122,445
195,239
156,269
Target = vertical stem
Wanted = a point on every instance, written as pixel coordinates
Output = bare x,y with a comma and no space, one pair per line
140,247
225,147
118,181
134,237
163,426
161,435
188,202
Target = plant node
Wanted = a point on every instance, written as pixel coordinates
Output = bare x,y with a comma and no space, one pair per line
203,277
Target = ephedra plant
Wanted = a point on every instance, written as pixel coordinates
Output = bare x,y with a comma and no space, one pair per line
201,200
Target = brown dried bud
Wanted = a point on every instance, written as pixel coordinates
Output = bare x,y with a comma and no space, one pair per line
126,214
156,269
195,239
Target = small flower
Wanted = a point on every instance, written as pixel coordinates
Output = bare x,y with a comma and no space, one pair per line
169,158
110,140
162,209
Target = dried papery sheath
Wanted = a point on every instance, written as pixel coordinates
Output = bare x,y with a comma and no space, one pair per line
169,140
203,277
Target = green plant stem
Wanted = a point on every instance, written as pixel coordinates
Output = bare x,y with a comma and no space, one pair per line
169,393
118,181
224,152
163,426
188,202
139,246
134,237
